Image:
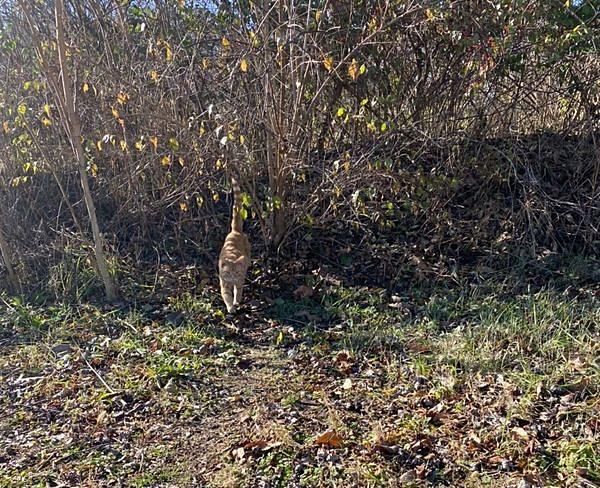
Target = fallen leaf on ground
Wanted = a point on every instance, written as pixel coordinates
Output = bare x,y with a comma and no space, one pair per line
329,438
303,291
520,432
343,361
253,448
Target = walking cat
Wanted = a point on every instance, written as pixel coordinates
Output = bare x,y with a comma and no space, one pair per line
235,255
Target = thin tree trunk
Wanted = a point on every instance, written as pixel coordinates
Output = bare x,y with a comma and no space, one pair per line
13,281
72,126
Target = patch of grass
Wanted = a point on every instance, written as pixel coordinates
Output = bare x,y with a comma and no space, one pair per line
533,333
467,387
192,303
579,458
162,477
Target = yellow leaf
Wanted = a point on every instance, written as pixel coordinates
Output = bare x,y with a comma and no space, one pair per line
384,127
353,69
47,110
242,139
86,88
202,130
115,112
5,127
173,143
328,63
429,15
225,43
46,122
168,51
181,161
254,39
139,145
123,145
154,75
219,164
318,15
154,141
199,200
363,69
215,197
329,438
165,160
183,206
340,112
99,145
22,109
93,169
205,63
244,65
122,98
279,339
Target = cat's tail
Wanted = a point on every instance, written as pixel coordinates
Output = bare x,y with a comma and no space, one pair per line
237,222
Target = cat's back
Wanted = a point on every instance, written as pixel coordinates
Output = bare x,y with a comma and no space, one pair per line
236,245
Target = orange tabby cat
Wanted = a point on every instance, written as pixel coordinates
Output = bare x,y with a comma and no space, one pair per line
235,255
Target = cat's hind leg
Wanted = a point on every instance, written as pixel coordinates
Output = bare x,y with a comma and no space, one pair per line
227,294
237,294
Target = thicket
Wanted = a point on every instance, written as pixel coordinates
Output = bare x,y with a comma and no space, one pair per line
426,135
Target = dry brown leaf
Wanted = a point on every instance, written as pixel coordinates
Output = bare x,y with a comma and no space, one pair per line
343,361
255,444
496,460
102,418
520,432
303,291
253,448
329,438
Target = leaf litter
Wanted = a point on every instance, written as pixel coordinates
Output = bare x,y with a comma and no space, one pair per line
129,398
